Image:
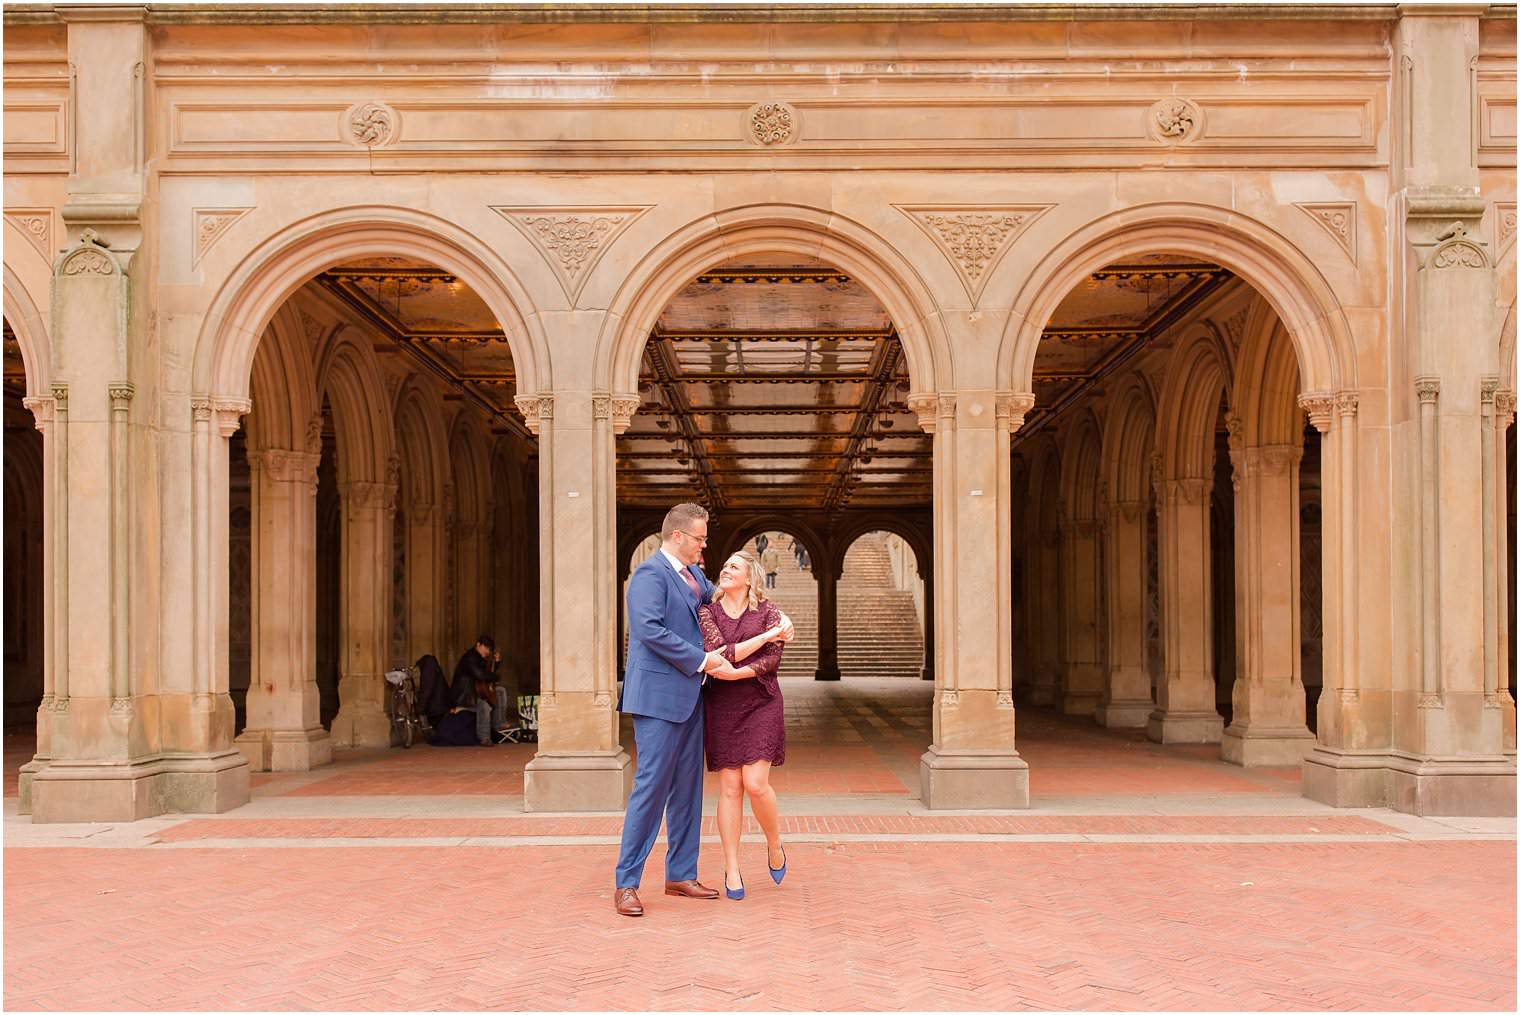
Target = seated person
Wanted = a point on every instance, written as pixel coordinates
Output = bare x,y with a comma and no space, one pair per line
475,687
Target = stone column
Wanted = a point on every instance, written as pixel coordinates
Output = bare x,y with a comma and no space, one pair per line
972,762
1267,726
827,572
50,412
284,730
425,589
1126,700
1185,712
580,764
1081,584
365,616
1499,416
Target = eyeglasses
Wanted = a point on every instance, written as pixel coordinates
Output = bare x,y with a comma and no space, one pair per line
701,540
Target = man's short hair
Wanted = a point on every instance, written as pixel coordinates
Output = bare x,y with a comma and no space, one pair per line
487,641
681,517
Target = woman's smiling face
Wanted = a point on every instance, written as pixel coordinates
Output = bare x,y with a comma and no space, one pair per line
735,574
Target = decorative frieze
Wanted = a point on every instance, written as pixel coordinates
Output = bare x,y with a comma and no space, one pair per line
207,225
571,239
772,124
1338,219
974,237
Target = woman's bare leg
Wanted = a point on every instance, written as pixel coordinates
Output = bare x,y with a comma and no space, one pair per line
730,821
762,801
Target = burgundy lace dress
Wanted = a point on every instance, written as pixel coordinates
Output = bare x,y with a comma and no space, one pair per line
745,722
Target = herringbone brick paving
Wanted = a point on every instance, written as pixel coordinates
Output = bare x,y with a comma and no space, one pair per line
891,926
283,906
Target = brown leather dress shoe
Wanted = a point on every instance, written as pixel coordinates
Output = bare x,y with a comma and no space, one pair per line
690,889
626,902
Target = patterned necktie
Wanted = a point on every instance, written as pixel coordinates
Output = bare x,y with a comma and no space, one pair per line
691,583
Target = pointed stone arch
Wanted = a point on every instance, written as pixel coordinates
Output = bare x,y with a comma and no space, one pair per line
1197,380
1129,436
348,376
283,387
31,332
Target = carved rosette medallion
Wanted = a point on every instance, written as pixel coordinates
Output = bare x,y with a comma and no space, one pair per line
974,237
207,225
571,239
1175,121
370,125
36,224
772,124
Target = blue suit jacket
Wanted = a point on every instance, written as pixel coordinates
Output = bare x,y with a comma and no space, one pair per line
663,675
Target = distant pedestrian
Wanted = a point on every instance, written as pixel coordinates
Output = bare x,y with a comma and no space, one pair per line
770,562
761,542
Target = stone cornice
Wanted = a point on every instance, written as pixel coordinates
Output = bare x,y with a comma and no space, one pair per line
485,13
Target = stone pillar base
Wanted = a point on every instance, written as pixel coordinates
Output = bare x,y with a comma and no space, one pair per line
1124,715
827,673
578,782
1251,746
285,750
127,791
1184,727
1346,778
1082,703
1469,787
369,727
973,781
24,785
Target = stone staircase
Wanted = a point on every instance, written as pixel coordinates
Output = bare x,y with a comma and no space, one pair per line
796,593
879,632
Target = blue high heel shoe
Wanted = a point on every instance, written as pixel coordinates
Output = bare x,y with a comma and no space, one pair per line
777,873
734,893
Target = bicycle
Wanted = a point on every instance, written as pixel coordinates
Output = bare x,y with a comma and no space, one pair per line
406,720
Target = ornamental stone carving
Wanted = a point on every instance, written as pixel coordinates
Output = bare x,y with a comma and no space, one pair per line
1427,389
571,239
1504,224
1319,407
371,125
208,225
772,124
1011,410
1338,219
1456,250
535,409
36,224
616,409
283,466
1175,121
90,257
974,237
926,407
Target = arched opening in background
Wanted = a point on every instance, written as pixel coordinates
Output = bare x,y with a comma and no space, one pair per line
23,596
881,609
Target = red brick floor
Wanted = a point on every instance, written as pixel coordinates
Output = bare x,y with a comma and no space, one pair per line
885,925
1180,883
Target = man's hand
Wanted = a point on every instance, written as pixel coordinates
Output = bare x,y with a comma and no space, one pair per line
718,667
787,631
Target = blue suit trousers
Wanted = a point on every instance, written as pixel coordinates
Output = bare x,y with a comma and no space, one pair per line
668,782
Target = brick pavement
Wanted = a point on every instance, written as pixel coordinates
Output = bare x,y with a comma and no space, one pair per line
1144,877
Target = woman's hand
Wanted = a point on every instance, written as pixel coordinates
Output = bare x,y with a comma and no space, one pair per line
774,634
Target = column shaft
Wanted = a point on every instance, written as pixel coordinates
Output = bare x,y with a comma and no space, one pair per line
1185,711
1126,700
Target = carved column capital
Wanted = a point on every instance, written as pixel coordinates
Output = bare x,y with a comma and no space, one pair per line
42,409
1272,459
927,409
536,410
1346,404
284,466
230,413
1012,408
1427,388
1504,408
359,494
1189,491
1130,510
121,394
1319,406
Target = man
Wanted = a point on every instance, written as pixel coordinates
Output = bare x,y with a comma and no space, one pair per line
770,563
662,691
474,674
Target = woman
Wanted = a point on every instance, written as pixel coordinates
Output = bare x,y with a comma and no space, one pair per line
744,722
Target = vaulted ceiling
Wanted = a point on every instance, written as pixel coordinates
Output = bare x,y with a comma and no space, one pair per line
770,383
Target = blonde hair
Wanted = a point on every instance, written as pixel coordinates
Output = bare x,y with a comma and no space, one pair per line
756,579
